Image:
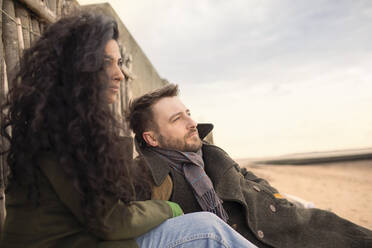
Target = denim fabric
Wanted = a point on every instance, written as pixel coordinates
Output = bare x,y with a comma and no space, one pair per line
201,229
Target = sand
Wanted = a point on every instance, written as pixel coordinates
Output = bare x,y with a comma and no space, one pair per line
344,188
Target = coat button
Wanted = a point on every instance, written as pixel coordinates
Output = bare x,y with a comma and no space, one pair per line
272,208
260,234
234,226
256,188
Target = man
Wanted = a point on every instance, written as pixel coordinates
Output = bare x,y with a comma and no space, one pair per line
202,177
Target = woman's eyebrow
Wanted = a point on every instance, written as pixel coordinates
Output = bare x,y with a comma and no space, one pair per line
109,57
106,56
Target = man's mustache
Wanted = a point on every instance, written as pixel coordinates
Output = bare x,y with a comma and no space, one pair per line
191,132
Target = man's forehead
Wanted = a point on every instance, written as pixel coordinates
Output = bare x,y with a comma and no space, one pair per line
168,106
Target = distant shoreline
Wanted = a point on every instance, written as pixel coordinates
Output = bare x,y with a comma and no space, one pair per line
313,157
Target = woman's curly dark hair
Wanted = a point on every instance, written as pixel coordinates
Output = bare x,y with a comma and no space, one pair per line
57,104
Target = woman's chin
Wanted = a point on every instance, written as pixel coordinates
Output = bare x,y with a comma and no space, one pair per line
111,98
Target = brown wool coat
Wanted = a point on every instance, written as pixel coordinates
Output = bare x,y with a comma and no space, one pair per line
59,222
254,211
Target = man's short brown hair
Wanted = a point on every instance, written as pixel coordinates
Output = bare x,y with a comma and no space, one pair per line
139,114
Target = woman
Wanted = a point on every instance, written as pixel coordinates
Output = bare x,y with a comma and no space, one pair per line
71,183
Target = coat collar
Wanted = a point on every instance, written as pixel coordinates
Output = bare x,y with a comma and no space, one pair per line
204,129
158,166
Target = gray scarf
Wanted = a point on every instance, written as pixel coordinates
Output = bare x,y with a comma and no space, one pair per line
191,165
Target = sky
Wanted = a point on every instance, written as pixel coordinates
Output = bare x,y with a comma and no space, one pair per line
274,77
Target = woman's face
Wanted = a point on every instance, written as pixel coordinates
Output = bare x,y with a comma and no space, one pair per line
112,67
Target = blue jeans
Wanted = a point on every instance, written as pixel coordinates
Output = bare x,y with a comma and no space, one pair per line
201,229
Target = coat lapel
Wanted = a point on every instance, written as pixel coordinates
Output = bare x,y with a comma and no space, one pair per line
222,171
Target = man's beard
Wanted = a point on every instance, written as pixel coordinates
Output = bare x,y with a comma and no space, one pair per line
188,143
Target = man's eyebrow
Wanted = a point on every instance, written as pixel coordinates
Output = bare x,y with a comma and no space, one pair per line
174,115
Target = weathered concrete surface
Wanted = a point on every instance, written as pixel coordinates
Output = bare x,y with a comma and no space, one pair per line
342,187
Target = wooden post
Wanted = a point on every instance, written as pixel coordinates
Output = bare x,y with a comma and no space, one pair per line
35,35
41,10
2,207
10,39
4,79
42,27
1,54
52,4
21,44
2,164
59,7
24,15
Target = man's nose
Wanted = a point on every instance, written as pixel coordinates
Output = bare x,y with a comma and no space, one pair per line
191,122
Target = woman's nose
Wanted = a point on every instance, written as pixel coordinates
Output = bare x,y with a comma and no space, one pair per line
119,74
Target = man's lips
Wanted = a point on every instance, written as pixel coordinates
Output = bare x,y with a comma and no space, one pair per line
192,133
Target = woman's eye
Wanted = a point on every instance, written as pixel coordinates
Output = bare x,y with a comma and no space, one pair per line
120,62
106,62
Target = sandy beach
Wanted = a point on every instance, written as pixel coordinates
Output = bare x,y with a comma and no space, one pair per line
344,188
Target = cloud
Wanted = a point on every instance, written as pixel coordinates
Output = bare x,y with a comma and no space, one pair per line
273,76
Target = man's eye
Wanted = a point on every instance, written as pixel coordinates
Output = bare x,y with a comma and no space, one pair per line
176,119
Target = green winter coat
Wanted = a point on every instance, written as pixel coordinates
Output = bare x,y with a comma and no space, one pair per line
58,221
256,210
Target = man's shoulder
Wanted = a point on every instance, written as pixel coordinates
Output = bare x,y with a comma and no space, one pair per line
216,156
213,150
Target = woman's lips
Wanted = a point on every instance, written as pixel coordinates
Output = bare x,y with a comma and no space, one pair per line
114,88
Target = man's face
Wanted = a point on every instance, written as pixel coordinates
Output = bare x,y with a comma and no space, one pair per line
176,130
112,68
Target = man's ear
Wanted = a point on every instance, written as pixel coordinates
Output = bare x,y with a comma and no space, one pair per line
149,137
